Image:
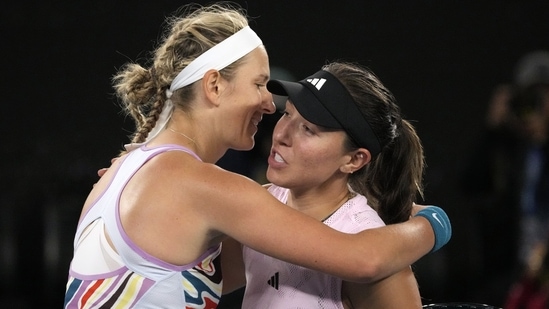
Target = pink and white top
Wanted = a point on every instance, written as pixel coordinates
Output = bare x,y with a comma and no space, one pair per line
273,284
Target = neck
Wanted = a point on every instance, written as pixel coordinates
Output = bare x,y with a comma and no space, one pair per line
319,203
190,131
185,136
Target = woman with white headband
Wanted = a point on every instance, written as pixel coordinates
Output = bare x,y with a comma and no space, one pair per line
151,229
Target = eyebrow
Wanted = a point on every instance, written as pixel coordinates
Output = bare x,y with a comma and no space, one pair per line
264,77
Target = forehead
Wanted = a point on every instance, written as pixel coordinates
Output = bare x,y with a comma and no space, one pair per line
256,64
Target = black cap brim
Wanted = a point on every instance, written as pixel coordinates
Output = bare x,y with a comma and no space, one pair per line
305,102
323,100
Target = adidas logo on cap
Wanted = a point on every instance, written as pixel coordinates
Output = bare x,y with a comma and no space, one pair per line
317,82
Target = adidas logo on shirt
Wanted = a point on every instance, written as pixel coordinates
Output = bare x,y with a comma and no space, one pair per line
273,281
317,82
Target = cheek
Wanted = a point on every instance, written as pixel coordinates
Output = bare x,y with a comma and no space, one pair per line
241,110
233,118
320,160
250,104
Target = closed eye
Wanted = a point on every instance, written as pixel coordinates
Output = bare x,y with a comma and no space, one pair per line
308,129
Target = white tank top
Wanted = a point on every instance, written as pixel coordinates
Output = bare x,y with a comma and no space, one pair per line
275,284
129,277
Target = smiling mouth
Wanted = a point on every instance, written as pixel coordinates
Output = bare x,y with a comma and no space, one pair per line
256,121
278,158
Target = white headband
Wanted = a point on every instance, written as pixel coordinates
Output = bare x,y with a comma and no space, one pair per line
218,57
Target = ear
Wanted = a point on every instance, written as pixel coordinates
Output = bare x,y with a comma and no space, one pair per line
213,86
358,158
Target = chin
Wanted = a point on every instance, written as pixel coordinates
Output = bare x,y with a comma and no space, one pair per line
245,146
271,176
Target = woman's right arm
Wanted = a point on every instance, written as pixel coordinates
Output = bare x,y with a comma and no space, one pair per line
381,294
232,266
242,209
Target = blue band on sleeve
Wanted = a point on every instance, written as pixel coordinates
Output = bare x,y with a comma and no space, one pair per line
440,223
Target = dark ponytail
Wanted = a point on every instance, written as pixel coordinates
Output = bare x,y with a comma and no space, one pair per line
396,175
393,179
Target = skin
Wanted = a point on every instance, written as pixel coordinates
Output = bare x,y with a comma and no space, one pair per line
176,207
312,163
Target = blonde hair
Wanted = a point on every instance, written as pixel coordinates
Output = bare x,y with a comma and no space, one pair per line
190,32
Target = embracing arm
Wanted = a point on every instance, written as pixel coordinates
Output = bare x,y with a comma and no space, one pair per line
232,266
381,294
243,210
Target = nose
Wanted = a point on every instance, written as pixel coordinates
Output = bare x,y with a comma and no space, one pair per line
267,102
280,132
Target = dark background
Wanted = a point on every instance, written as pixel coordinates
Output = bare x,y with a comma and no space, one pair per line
60,122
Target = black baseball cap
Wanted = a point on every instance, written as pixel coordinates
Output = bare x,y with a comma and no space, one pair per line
323,100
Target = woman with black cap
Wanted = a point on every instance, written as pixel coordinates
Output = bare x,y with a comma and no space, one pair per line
342,154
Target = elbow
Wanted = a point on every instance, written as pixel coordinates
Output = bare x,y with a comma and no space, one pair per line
369,270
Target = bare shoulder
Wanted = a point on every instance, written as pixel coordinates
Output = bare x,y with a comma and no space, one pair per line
175,198
209,189
205,179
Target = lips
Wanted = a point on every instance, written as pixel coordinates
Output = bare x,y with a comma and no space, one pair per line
256,120
278,158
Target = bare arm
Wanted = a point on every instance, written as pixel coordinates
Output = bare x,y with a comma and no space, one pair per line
236,206
242,209
234,276
232,266
381,294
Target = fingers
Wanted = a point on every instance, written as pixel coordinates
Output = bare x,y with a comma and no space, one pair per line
416,208
102,172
